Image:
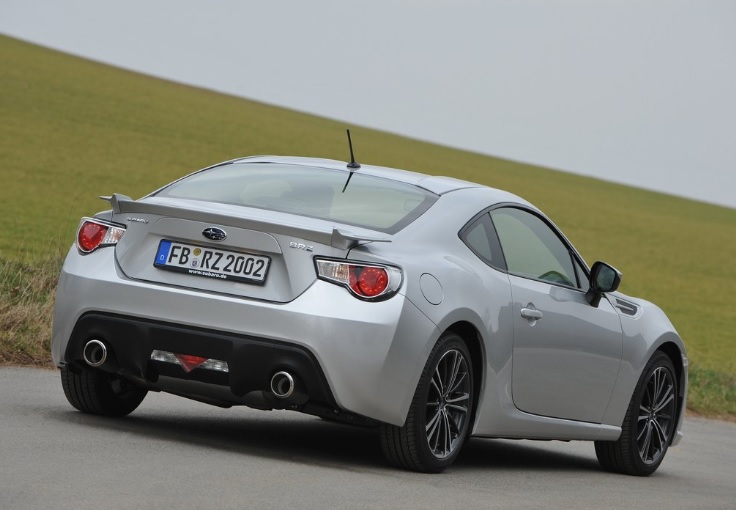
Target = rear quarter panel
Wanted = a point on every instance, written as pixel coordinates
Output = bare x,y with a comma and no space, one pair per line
470,291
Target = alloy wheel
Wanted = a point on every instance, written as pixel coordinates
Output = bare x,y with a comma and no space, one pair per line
448,404
656,414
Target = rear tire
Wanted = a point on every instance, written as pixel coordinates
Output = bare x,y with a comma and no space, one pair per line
649,423
96,392
439,416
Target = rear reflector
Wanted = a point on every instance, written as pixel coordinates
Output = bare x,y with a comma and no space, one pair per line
189,362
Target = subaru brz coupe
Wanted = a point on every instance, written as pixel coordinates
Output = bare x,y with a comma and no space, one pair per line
430,308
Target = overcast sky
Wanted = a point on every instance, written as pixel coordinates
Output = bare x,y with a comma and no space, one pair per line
635,91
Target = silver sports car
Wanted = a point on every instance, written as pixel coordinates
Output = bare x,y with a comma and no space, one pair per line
431,308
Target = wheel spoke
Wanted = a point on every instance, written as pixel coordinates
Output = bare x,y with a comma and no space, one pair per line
669,398
642,432
454,424
644,447
657,379
440,440
436,432
648,394
458,398
660,433
463,410
457,384
447,433
432,424
433,383
437,381
454,368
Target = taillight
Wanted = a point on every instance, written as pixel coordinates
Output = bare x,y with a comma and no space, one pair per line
366,281
93,234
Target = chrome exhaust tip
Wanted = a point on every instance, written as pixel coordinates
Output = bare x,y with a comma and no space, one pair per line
95,353
282,384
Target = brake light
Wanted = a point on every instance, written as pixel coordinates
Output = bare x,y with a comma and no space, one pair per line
366,281
93,234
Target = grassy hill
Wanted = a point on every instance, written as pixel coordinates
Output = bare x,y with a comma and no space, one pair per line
73,129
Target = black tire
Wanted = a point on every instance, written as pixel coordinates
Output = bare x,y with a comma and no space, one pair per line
442,403
96,392
649,424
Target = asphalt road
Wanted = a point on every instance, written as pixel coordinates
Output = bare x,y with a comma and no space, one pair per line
174,453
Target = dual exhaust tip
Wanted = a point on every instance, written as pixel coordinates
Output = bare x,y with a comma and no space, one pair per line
95,354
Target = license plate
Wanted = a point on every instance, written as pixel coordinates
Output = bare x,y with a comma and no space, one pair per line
211,262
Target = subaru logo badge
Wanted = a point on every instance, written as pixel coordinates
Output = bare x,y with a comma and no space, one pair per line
214,233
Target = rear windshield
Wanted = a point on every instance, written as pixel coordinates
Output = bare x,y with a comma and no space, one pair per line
368,201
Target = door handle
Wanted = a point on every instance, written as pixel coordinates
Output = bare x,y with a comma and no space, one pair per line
531,314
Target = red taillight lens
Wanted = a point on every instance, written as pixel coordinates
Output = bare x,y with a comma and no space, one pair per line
91,235
94,233
368,281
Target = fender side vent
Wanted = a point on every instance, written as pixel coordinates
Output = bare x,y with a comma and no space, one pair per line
626,307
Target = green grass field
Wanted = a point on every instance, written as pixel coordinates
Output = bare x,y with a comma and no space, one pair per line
73,129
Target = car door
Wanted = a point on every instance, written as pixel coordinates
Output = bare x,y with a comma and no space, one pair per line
566,353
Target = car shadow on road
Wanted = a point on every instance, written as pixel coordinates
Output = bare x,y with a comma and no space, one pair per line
304,439
507,454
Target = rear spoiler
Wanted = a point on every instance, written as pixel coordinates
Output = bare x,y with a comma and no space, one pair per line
337,238
343,240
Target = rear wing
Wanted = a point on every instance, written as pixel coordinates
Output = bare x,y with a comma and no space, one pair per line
340,238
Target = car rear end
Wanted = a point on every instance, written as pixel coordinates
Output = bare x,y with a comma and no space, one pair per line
243,284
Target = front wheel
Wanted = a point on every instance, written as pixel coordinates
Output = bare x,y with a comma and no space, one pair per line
649,423
93,391
439,416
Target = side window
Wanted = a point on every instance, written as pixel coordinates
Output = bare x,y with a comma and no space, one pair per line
531,248
481,238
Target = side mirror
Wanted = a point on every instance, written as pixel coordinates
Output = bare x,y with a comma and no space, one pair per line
603,278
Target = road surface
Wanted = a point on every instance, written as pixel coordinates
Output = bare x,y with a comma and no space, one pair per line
175,453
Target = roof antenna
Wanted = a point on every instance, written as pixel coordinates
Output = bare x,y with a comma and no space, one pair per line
353,165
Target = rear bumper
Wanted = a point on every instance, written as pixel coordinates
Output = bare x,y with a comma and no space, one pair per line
131,341
361,357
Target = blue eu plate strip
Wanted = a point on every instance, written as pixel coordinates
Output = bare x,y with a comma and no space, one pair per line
163,253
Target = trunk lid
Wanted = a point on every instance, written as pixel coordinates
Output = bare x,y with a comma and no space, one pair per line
281,245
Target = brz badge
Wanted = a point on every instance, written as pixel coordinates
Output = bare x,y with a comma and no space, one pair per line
301,246
214,233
